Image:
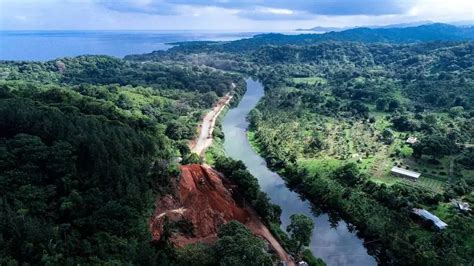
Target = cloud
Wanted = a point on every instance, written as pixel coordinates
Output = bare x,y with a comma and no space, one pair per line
248,15
157,7
316,7
453,10
269,13
268,10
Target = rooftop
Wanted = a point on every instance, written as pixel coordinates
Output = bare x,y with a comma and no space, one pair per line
405,172
463,206
429,216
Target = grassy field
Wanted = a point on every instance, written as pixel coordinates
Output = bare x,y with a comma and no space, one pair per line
360,142
320,166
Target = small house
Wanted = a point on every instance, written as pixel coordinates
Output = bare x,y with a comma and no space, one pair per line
411,140
426,215
397,171
463,206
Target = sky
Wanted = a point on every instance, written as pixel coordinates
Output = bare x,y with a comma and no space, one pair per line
242,15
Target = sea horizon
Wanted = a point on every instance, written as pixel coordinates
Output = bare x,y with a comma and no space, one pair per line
45,45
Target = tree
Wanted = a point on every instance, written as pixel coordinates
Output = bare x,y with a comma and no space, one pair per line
192,158
387,136
431,119
406,151
300,230
403,123
434,145
315,144
238,246
124,101
349,174
210,98
255,117
381,104
247,184
267,210
393,105
177,130
358,108
456,111
196,254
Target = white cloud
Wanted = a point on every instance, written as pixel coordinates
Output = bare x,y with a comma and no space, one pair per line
445,10
276,11
256,15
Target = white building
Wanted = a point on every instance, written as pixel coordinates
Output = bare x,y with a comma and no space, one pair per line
412,140
463,206
405,173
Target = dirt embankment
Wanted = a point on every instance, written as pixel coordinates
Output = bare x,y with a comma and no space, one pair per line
204,201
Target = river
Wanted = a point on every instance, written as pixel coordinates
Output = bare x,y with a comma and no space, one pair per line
335,245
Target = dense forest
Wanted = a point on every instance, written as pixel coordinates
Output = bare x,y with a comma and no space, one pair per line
86,145
424,33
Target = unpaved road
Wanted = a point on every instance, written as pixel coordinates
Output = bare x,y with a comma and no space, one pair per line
204,140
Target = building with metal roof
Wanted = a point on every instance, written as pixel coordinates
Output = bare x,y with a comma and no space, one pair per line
463,206
411,140
405,173
431,217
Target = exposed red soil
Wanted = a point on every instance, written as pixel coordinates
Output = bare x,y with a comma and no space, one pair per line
205,200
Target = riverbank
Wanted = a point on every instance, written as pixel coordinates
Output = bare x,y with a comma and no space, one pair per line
251,219
332,241
380,214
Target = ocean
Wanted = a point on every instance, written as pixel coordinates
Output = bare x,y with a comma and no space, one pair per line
49,45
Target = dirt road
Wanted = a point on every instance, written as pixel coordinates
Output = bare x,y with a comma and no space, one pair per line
199,146
204,140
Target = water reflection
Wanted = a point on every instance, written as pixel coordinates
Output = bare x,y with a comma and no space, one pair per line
332,240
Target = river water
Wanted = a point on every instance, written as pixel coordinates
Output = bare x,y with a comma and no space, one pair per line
335,245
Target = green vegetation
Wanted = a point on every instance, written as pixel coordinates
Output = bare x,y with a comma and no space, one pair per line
424,33
236,246
249,188
300,229
86,145
336,116
336,146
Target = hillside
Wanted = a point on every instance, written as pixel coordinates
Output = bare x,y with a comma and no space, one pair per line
205,201
86,144
423,33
